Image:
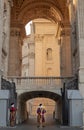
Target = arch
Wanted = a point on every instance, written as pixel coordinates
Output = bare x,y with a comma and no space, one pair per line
34,94
25,11
24,97
47,9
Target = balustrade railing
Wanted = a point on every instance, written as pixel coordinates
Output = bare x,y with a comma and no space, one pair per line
38,83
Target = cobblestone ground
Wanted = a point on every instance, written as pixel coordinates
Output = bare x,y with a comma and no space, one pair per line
32,125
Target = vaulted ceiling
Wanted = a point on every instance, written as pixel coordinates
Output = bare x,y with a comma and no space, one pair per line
24,11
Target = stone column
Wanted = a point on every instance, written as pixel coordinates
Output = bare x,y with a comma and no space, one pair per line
1,34
65,52
6,36
1,28
7,40
5,6
74,45
39,69
15,52
80,26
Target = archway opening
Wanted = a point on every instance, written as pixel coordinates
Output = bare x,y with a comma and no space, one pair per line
48,10
42,45
40,60
29,102
48,104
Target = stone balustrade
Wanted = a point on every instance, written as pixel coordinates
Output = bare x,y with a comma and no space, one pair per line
39,83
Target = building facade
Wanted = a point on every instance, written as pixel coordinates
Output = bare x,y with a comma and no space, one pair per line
41,56
68,18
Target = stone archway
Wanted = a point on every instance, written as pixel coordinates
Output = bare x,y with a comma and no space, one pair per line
24,11
22,108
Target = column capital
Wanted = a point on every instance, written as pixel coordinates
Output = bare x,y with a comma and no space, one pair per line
15,31
10,2
15,25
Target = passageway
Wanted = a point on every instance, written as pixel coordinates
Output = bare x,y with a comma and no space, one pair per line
29,101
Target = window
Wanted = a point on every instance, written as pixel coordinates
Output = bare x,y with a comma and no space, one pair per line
49,54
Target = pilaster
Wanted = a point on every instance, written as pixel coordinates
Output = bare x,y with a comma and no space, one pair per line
6,36
1,36
80,27
38,54
72,5
15,52
65,52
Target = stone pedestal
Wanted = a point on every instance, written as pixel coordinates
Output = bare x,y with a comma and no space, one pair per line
4,105
75,108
